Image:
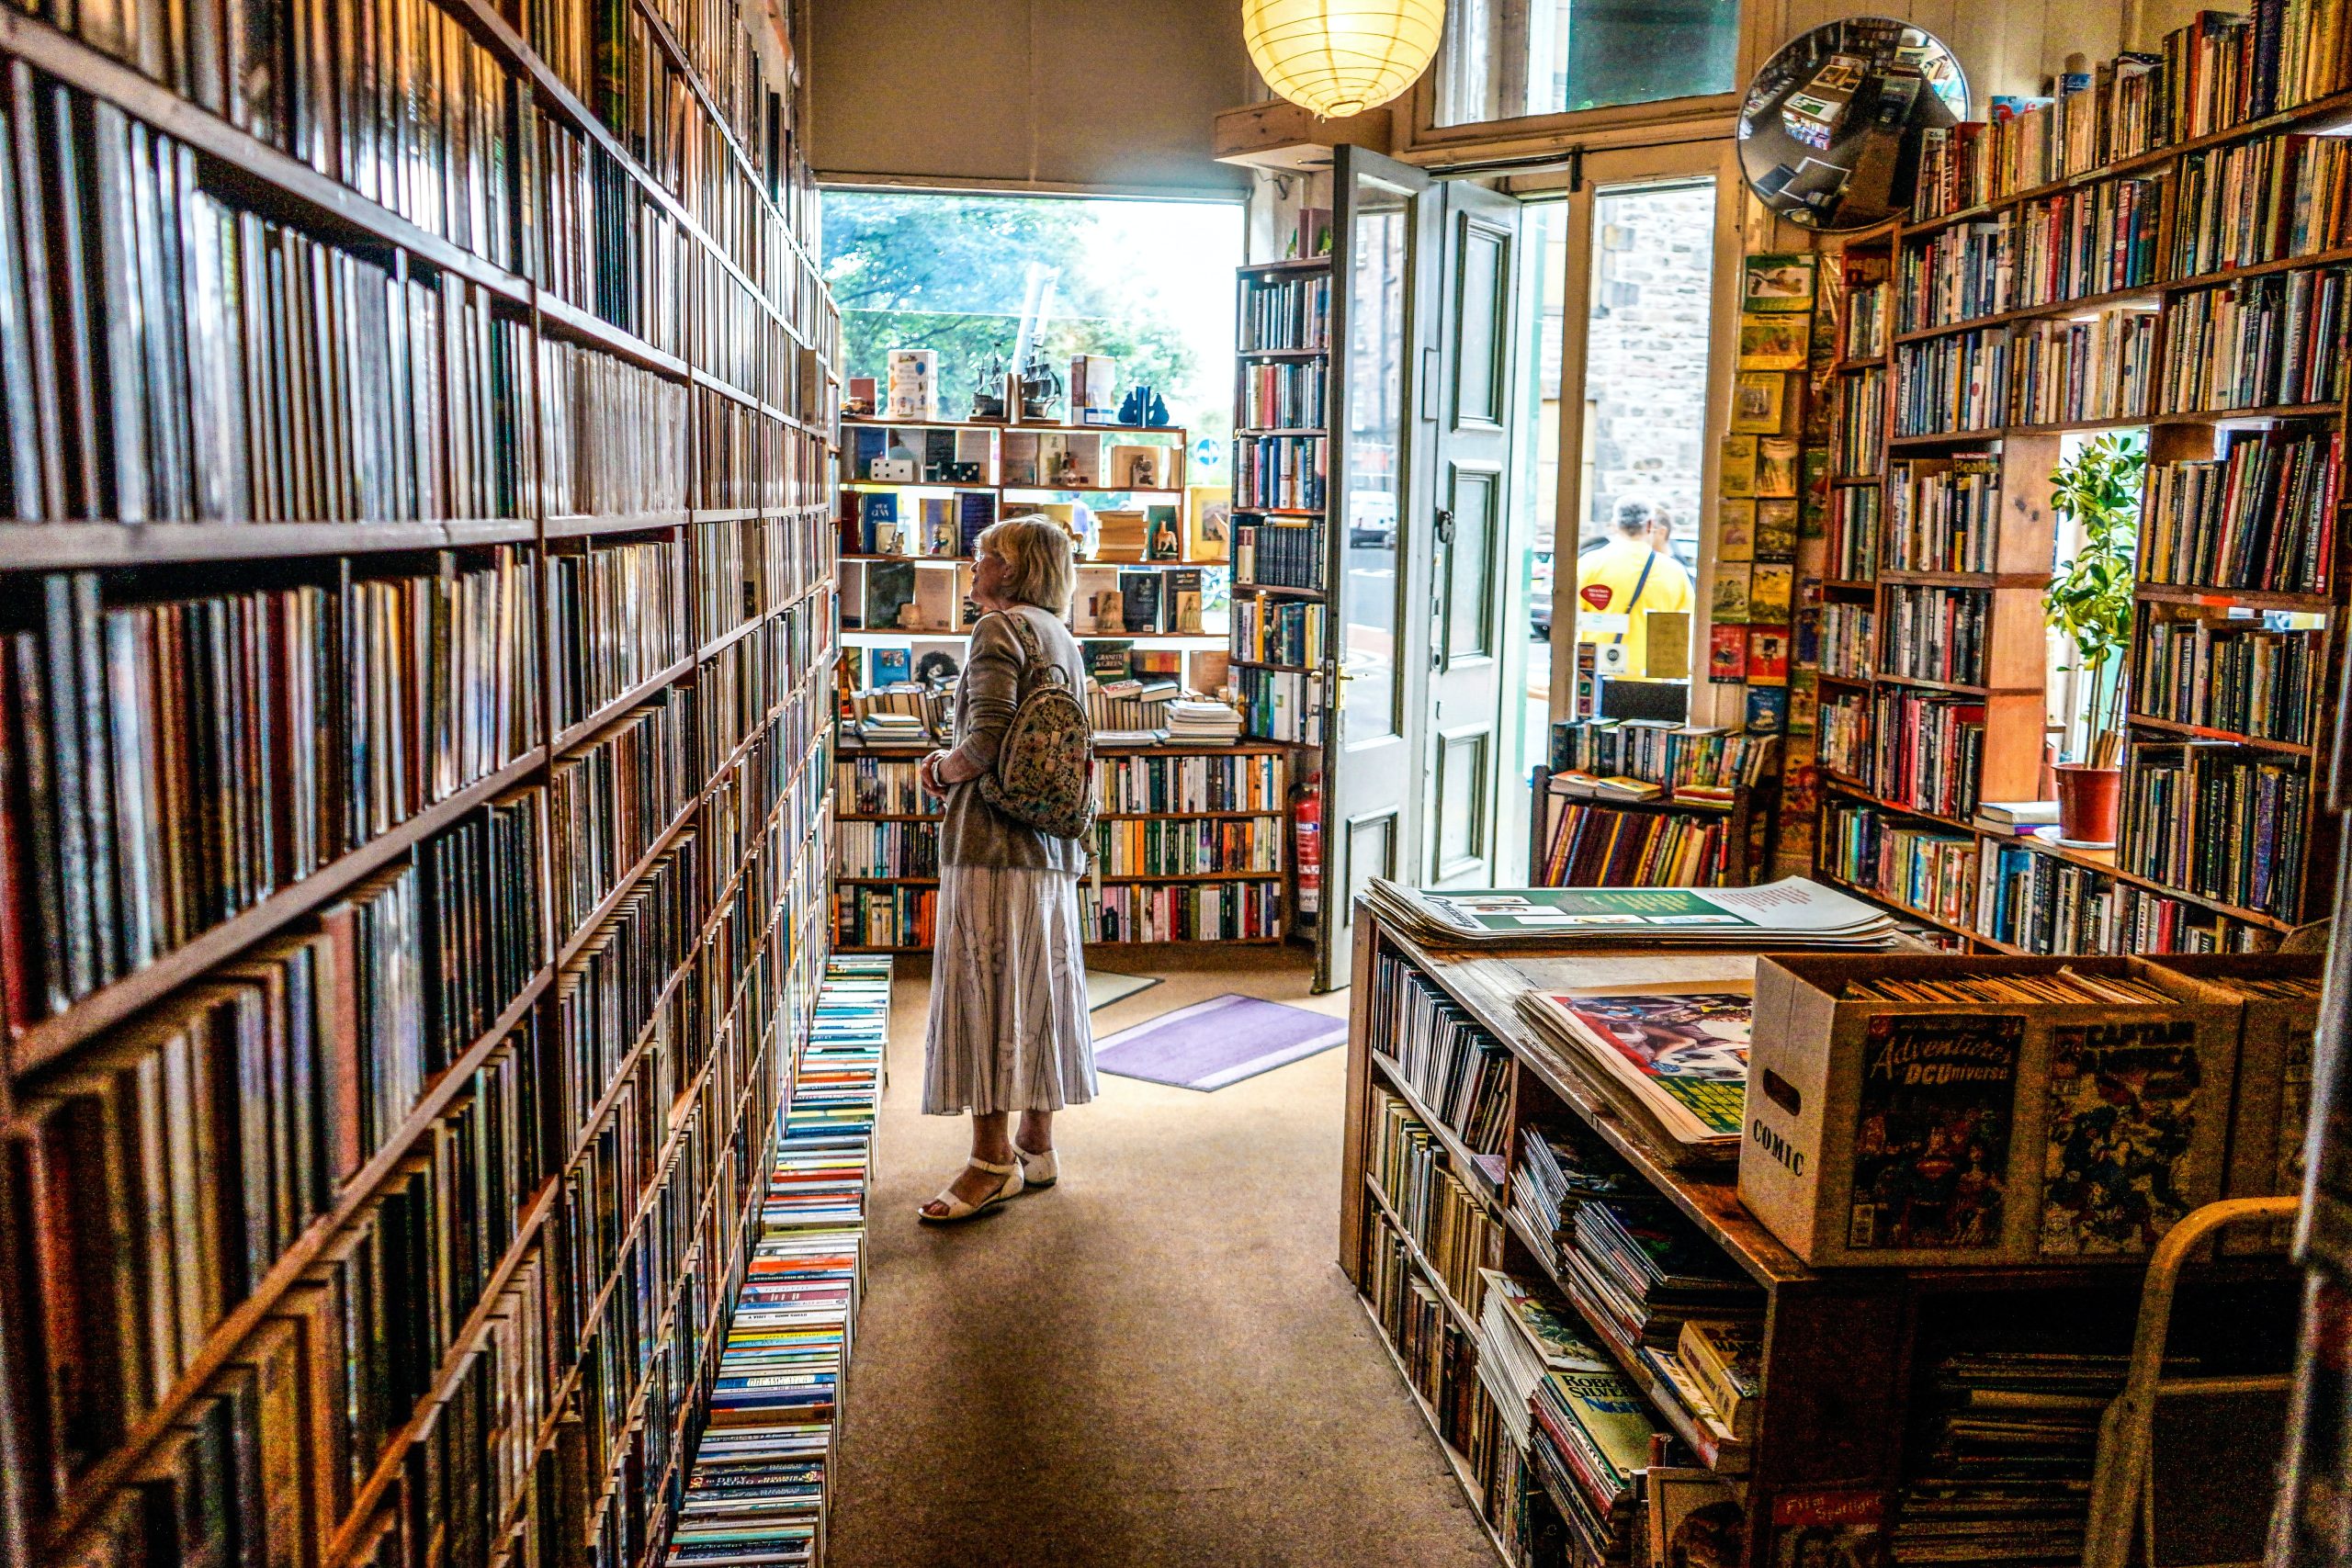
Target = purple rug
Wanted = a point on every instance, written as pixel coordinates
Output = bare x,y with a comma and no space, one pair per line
1218,1041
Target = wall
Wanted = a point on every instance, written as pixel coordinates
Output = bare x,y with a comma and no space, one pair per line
1026,95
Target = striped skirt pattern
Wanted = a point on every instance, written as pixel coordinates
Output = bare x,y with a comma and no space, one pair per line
1009,1024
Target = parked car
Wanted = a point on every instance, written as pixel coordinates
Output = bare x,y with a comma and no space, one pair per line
1372,520
1538,594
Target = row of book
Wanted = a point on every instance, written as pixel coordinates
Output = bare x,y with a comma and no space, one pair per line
2218,822
2248,680
1928,750
1122,785
1863,332
1855,522
617,610
611,799
1176,847
2219,71
2070,371
1280,704
1206,911
1930,871
1453,1232
2030,899
749,566
614,434
2093,240
1271,554
1284,472
758,1491
210,364
1861,423
1270,630
1282,311
1435,1350
1461,1074
1929,632
1943,513
346,710
1706,761
2260,515
2276,340
886,849
1597,846
1282,395
1843,739
1848,640
868,916
2261,201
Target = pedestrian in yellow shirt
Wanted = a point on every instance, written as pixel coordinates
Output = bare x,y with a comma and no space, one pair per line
1625,579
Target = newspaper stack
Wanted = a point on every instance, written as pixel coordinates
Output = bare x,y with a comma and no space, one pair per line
1794,912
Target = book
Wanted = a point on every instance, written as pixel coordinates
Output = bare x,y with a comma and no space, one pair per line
1680,1053
1727,1359
1792,912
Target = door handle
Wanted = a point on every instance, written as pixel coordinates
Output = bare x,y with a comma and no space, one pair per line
1444,522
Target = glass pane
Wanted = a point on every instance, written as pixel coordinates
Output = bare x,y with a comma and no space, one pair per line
1646,414
1508,58
1535,487
1374,457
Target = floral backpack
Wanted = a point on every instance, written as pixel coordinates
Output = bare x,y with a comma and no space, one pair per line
1044,776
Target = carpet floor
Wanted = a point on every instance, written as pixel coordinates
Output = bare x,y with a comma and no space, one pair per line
1158,1361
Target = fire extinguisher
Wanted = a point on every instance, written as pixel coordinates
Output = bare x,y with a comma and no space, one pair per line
1307,820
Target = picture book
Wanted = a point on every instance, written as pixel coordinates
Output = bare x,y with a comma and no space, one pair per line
1773,342
1757,401
1840,1526
1684,1052
1774,283
1737,474
1726,655
1776,466
1729,598
1933,1122
1768,655
936,661
890,590
2123,1103
1735,530
891,666
975,511
1776,529
1771,588
1208,522
1768,709
1694,1519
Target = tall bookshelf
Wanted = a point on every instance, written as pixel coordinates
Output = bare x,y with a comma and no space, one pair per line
416,764
1281,440
2132,255
1190,845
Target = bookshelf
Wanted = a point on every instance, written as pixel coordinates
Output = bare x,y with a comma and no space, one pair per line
1850,1359
1190,844
1281,650
416,752
2143,253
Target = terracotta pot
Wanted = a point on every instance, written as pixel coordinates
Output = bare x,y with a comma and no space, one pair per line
2086,802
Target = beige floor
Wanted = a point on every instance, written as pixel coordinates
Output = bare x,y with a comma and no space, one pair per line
1158,1361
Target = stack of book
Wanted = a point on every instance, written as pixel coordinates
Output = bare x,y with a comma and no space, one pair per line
757,1494
1592,1440
1521,1338
1195,721
1791,913
1562,1166
2008,1480
1638,1270
1462,1074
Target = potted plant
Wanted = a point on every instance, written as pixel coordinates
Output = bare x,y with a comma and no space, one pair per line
2090,603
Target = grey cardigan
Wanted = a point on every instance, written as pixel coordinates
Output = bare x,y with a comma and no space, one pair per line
973,832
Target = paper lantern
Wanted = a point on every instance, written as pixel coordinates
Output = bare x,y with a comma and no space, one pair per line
1341,57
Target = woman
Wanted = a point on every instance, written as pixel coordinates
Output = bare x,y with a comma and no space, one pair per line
1008,1029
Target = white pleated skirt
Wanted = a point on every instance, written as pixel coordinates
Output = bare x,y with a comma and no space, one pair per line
1009,1024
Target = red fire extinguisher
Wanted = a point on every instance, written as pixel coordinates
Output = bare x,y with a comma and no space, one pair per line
1307,821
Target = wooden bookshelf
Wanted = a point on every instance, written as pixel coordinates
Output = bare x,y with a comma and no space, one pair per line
2126,894
1849,1354
1750,821
590,1325
1101,892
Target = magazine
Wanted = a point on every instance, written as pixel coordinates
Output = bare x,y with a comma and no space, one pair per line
1680,1053
1791,913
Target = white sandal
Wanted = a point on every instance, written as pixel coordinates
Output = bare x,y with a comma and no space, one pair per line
1038,1170
959,1210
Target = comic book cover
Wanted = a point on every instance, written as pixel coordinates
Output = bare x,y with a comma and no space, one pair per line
1931,1130
2117,1169
1691,1046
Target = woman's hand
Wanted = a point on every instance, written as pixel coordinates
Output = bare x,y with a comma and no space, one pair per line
927,773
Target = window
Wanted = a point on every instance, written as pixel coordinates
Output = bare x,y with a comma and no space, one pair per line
1510,58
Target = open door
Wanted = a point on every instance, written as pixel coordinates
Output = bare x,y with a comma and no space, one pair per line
1470,654
1372,743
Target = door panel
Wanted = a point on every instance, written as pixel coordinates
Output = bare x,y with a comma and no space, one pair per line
1470,524
1375,495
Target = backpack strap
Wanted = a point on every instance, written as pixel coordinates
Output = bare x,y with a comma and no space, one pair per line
1032,652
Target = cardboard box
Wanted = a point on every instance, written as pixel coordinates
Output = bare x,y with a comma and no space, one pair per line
1909,1133
2270,1113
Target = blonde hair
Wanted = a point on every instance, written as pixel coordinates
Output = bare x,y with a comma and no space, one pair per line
1038,555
